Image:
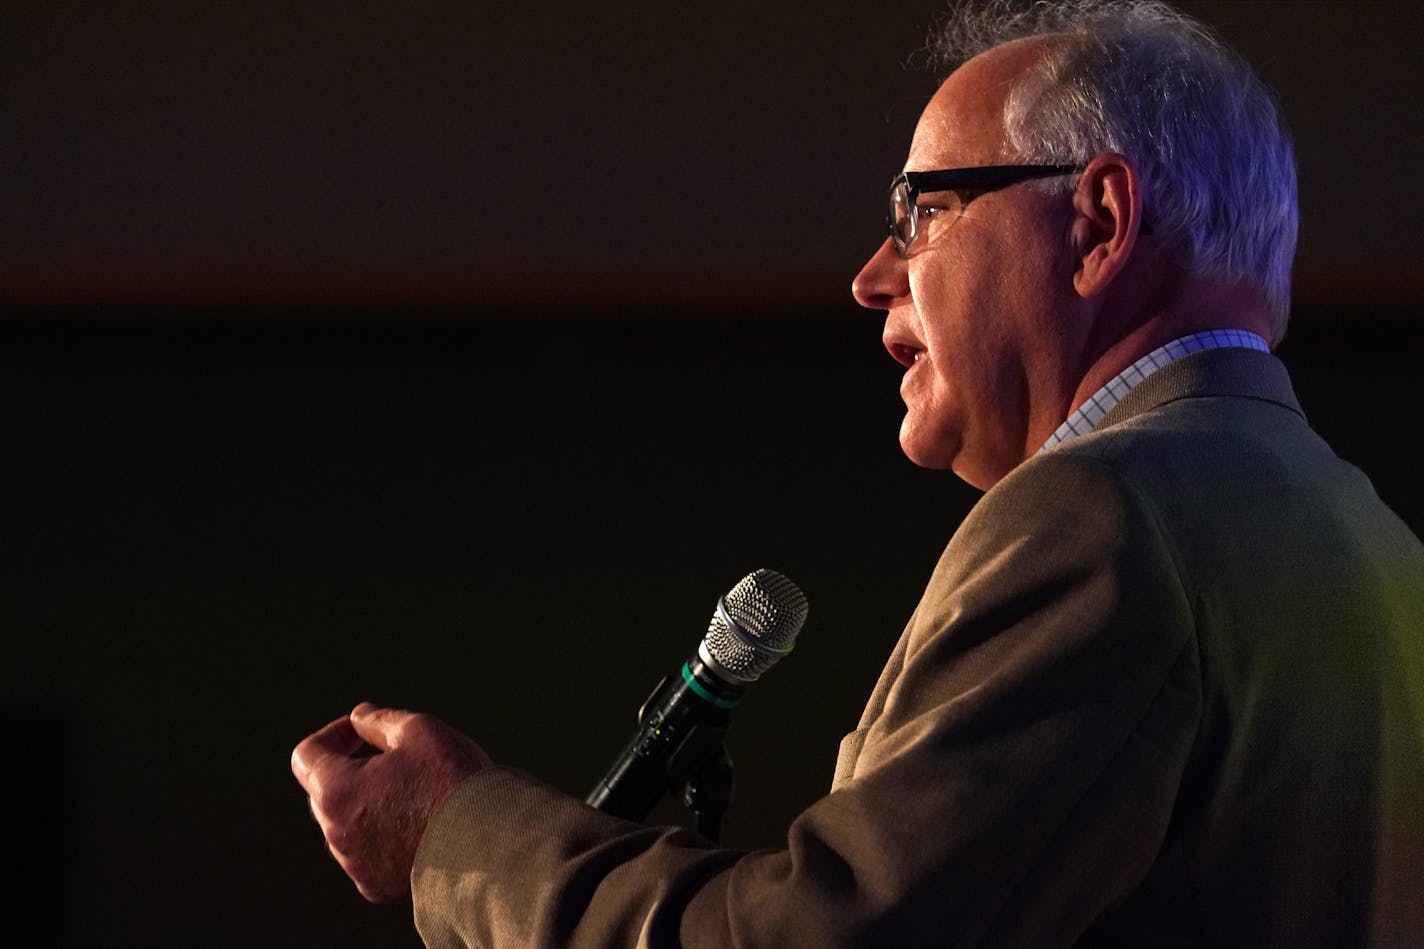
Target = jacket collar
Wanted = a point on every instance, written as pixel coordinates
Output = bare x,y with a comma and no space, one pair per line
1244,373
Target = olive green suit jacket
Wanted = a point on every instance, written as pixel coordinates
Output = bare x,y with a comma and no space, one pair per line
1165,688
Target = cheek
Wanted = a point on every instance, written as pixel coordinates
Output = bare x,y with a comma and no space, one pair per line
956,303
938,286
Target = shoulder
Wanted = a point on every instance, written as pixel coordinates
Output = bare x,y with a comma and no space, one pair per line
1066,541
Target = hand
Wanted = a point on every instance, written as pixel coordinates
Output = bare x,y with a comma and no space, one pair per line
373,809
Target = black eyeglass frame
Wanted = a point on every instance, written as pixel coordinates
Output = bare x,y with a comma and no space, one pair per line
968,183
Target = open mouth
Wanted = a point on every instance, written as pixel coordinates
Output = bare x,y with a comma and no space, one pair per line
904,354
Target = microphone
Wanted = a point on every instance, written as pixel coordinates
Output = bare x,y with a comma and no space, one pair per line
681,725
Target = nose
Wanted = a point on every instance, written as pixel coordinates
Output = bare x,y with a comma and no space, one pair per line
884,279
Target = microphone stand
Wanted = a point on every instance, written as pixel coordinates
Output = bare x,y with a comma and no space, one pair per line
709,792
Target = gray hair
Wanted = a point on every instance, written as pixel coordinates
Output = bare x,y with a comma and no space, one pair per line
1139,78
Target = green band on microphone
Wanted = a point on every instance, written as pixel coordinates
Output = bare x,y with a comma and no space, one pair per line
702,690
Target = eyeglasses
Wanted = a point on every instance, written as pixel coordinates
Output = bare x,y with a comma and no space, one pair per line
966,184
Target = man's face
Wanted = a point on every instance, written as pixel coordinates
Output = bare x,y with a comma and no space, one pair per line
979,313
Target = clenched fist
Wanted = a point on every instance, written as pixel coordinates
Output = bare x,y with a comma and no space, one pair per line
373,808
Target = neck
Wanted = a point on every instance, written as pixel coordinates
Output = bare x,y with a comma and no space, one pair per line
1210,308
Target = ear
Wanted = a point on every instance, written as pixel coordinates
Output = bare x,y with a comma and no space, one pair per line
1107,220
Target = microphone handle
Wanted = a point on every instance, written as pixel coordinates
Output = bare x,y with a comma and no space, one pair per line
680,728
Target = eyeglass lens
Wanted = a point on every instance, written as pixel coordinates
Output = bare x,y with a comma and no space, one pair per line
903,216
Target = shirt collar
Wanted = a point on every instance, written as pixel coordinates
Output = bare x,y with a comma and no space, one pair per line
1087,416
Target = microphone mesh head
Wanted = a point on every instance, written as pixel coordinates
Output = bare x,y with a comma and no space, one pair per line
766,611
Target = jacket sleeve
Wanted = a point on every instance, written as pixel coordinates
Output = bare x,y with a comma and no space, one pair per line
1015,779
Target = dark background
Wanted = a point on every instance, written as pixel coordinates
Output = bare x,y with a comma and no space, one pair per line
459,358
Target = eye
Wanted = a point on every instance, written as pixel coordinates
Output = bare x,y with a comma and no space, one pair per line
940,204
943,203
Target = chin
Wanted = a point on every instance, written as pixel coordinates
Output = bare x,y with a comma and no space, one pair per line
937,455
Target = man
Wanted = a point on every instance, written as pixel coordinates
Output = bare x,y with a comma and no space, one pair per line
1164,687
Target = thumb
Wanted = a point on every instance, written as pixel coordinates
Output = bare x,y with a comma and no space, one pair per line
377,726
323,749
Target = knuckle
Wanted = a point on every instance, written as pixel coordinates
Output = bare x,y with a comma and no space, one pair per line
334,798
421,725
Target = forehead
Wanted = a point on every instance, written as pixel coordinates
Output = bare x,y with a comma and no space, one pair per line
963,125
